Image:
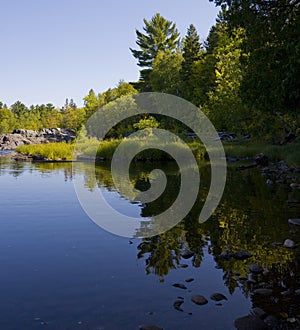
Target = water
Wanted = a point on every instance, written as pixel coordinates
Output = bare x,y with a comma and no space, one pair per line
59,270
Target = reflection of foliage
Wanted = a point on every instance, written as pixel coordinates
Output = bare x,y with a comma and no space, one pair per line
249,218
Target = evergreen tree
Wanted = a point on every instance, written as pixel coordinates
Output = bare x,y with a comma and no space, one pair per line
160,35
191,53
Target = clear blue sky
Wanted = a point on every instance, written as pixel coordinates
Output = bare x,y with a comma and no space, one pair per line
57,49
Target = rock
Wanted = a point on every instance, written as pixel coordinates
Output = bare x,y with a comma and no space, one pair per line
258,312
150,327
186,254
293,201
297,292
249,322
288,243
271,322
261,160
190,279
263,292
269,182
21,136
225,255
294,185
183,266
255,269
180,286
199,300
218,297
241,255
177,305
295,222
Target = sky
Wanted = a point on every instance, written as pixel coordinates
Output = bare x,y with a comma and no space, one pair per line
57,49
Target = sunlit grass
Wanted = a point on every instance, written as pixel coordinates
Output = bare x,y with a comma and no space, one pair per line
52,151
106,149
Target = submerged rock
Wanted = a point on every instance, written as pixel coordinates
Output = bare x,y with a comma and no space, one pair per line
190,279
241,255
177,304
186,254
256,311
250,322
150,327
180,286
199,300
218,297
255,269
263,292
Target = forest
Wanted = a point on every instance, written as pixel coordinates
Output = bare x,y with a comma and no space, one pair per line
244,76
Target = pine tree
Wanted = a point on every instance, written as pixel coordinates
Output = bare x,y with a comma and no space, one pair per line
191,53
160,35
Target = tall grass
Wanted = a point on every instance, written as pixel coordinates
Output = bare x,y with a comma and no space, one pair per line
53,151
105,149
289,152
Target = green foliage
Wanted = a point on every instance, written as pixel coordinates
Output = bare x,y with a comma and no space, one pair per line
160,35
51,151
191,53
147,122
288,152
7,121
225,106
270,84
165,75
93,102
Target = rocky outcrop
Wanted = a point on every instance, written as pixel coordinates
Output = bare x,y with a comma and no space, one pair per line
20,137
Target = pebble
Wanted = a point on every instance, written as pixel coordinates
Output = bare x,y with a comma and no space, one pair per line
199,300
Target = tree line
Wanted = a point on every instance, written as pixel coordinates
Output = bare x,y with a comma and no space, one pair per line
244,77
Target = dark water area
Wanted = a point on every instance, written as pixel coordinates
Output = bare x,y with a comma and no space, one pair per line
59,270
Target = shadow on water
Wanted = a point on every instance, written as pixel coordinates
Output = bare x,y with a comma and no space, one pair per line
248,229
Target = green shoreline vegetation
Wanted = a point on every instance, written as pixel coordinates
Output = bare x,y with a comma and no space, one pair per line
244,78
105,150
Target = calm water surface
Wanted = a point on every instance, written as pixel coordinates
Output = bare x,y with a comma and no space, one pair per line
61,271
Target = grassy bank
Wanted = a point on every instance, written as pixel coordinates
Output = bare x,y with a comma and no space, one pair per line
53,151
289,152
60,151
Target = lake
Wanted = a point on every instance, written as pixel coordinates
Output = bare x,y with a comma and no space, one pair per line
59,270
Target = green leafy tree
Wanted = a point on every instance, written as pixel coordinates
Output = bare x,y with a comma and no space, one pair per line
165,74
160,35
225,106
7,121
271,84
